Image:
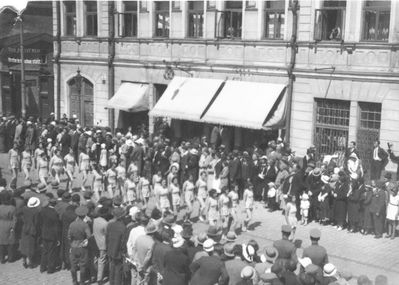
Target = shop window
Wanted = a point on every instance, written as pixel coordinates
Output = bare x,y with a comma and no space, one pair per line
330,21
274,19
331,125
91,18
128,19
70,18
376,20
195,19
162,19
229,21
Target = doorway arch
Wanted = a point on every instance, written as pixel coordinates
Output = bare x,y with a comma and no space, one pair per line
81,100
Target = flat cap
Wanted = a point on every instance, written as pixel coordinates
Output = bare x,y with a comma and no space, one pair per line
315,233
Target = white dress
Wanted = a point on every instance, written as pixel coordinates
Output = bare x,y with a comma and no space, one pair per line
392,208
175,194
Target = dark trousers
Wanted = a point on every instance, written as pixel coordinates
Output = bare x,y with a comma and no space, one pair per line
8,250
378,222
79,258
375,169
49,256
115,271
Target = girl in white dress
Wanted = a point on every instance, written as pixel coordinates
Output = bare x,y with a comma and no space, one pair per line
212,208
163,197
42,167
130,194
103,157
202,194
26,162
111,175
249,205
175,191
57,165
38,151
70,167
84,165
224,209
188,191
13,157
144,190
233,195
98,182
392,212
120,176
173,170
290,214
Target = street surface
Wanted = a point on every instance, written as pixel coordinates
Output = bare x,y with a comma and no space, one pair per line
349,252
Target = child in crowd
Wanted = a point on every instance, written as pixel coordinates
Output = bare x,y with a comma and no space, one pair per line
305,205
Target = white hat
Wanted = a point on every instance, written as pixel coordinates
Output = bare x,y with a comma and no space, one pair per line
177,229
49,140
177,242
28,122
89,133
52,113
74,116
53,123
208,245
33,202
329,270
248,272
325,179
133,211
98,132
248,252
140,141
304,262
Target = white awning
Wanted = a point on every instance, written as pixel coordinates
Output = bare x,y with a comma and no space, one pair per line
186,98
130,97
245,104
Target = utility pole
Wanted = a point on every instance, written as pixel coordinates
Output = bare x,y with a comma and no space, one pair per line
290,70
21,47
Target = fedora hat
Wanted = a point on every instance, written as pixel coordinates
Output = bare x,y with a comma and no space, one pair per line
213,231
208,245
118,213
247,272
329,270
151,228
41,187
33,202
228,249
201,238
231,236
270,255
248,252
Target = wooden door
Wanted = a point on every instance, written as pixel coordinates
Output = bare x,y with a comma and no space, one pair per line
81,101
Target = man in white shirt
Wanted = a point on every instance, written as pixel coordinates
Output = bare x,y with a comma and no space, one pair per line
380,159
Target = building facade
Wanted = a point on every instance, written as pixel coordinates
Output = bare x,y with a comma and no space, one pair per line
346,80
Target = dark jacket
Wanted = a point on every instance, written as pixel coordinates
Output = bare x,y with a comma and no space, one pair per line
158,256
114,239
378,202
50,224
209,270
234,170
176,266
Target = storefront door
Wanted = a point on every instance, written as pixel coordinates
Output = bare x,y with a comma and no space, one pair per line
81,100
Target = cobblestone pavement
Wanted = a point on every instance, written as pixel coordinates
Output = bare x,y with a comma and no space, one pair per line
349,252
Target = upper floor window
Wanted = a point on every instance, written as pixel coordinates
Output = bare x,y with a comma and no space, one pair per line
70,18
195,19
91,18
162,18
128,19
376,20
176,6
229,22
330,20
274,19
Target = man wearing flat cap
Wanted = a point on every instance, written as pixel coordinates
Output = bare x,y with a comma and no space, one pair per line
286,249
315,252
78,235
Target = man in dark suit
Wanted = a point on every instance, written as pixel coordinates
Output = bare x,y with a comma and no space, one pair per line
377,209
379,161
75,134
50,226
286,249
116,246
234,170
65,142
161,248
315,252
137,156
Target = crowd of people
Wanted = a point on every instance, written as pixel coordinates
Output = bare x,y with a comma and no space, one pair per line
122,205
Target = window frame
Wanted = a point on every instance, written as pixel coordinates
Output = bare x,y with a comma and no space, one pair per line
121,17
201,13
315,27
222,21
86,18
162,12
67,15
378,10
275,11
